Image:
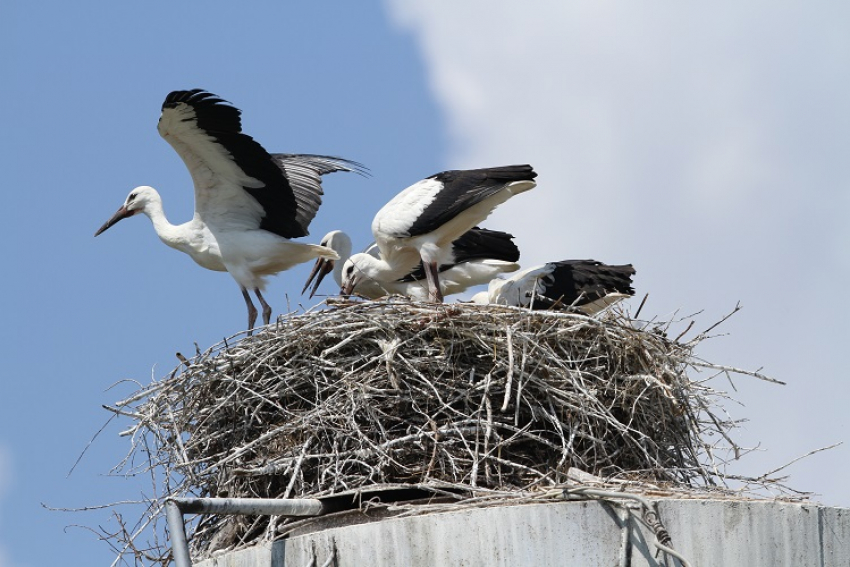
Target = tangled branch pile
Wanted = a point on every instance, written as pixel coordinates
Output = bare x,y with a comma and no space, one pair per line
460,396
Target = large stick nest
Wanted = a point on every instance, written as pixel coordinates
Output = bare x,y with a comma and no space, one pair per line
461,396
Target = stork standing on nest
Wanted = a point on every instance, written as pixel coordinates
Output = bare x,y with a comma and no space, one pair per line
585,285
421,222
248,203
475,258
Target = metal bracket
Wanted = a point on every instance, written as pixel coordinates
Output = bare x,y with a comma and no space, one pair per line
176,507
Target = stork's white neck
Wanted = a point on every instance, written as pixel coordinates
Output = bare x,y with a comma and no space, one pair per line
169,234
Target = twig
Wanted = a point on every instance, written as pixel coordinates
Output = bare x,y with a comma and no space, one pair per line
792,461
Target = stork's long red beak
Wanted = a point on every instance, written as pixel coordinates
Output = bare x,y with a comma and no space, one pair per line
121,213
321,268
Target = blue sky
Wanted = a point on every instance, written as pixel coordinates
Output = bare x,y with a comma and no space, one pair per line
706,145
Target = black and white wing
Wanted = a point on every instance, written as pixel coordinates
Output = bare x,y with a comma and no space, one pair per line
238,184
429,204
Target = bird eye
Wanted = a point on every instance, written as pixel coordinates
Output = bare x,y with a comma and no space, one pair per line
131,198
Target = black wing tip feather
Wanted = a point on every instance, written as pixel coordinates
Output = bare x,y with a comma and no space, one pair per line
213,113
485,244
340,164
595,264
192,97
505,173
584,281
593,269
353,167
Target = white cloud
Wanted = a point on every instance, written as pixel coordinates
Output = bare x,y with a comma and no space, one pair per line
707,144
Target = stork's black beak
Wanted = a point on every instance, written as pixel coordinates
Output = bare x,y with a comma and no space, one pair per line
121,213
321,268
347,287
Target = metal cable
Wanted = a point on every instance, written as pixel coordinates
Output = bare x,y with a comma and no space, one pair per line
649,515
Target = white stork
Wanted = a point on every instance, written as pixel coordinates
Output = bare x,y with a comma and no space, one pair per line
475,258
422,221
248,203
585,285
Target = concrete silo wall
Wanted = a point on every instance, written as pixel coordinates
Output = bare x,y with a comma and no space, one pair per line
708,533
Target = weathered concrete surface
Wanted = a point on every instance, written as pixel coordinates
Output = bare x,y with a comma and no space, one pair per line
709,533
715,532
267,555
